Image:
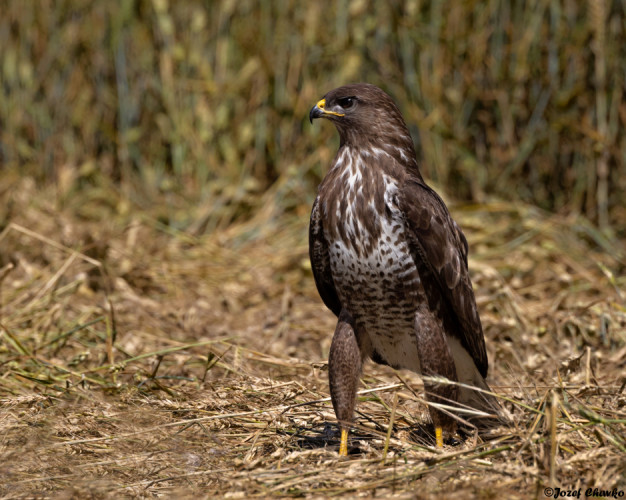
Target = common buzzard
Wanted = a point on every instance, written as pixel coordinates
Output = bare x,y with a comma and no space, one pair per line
391,263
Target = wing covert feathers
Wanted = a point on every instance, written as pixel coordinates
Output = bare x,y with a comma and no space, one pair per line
437,240
320,262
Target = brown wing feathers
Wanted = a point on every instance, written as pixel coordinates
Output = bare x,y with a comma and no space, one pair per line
439,243
320,262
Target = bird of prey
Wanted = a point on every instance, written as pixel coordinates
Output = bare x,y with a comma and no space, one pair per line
391,263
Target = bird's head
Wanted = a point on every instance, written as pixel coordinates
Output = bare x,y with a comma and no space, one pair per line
363,114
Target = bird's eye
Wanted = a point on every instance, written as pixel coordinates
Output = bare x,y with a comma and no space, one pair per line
346,102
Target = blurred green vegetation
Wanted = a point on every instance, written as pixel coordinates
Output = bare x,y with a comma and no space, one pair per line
140,102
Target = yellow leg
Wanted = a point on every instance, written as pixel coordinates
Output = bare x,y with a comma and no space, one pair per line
439,436
343,447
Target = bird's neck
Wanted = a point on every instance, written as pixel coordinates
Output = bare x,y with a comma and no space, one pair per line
394,152
377,158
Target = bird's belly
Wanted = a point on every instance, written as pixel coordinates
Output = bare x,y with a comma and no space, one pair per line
379,285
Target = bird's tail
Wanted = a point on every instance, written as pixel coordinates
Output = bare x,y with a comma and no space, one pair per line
476,395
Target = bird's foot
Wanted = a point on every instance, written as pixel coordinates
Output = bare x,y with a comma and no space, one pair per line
439,436
343,446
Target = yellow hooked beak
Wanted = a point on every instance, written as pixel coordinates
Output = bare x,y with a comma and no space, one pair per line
319,110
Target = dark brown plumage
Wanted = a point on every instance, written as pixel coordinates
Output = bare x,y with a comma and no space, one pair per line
390,262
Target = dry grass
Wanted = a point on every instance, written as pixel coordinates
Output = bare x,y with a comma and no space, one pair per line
139,361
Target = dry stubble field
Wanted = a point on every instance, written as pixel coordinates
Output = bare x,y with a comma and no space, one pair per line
136,361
